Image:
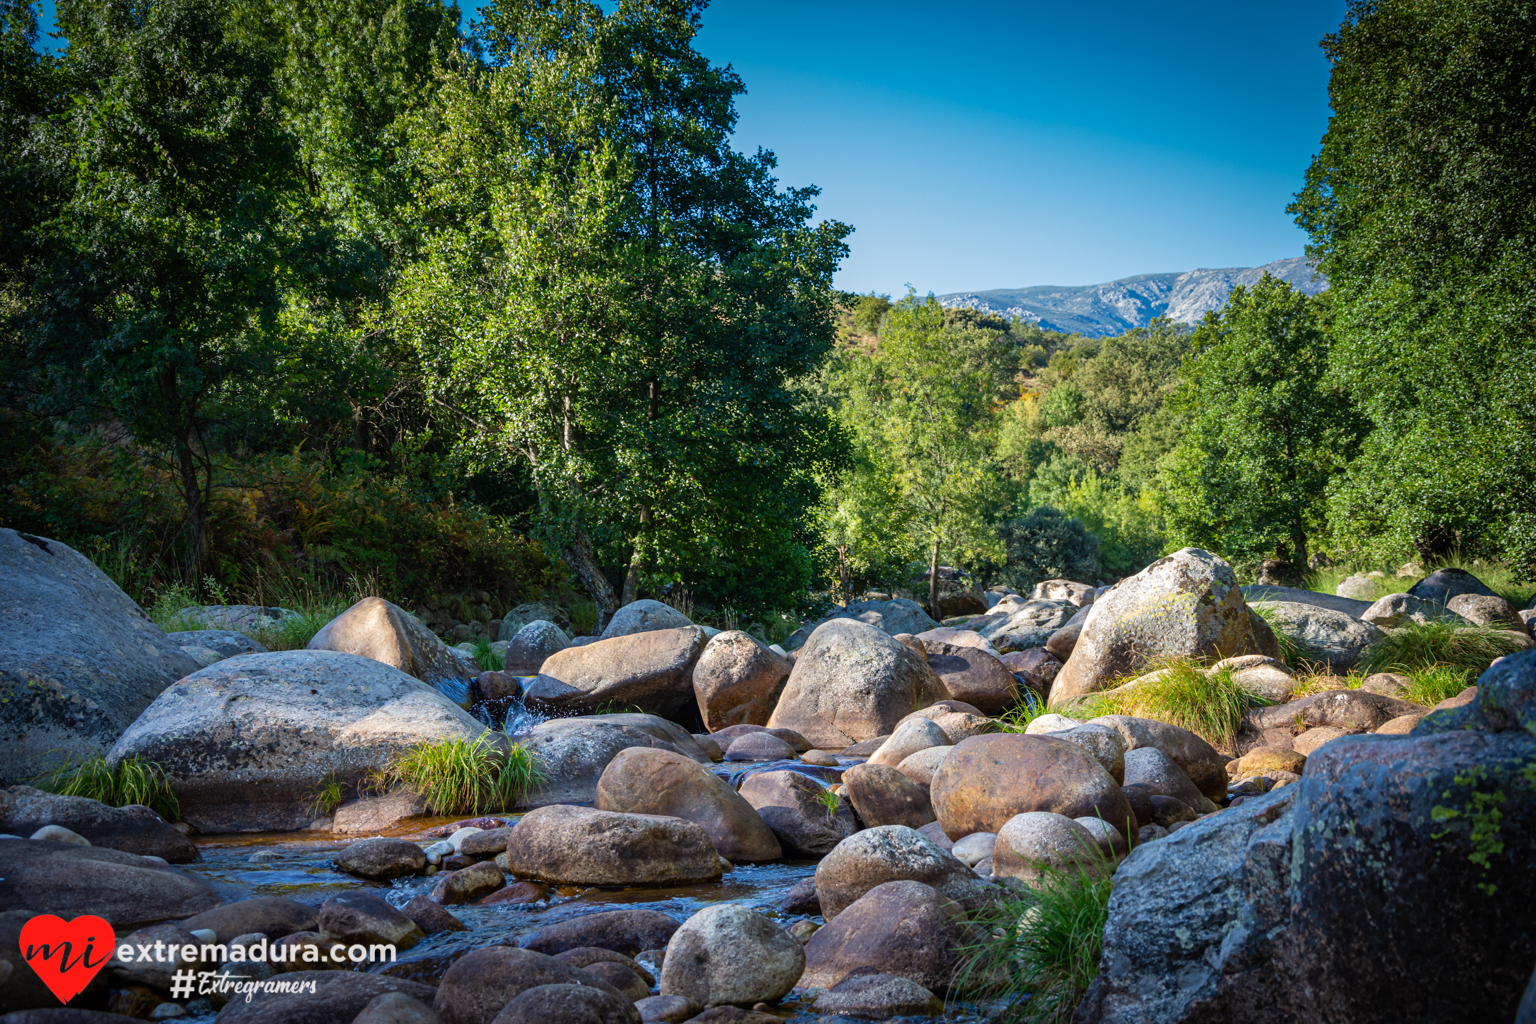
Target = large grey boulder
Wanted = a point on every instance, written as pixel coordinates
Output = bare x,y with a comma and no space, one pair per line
1028,625
584,846
1260,913
737,681
132,829
1443,584
726,954
651,670
67,880
644,616
1324,636
247,742
532,645
1185,604
1297,595
903,928
78,659
852,682
384,632
898,615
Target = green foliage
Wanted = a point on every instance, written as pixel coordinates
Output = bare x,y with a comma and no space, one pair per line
130,781
1264,433
1208,704
488,659
1432,684
1415,647
1044,545
869,312
1421,205
328,796
830,801
461,776
1062,406
1042,947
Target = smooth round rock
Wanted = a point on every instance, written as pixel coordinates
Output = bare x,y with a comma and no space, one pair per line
569,845
727,954
483,981
890,853
737,680
1148,766
884,796
911,735
974,848
877,997
793,806
759,746
567,1004
902,928
919,767
1030,842
647,780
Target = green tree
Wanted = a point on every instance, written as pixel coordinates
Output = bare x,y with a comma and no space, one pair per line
1421,205
1047,544
611,293
1264,434
926,415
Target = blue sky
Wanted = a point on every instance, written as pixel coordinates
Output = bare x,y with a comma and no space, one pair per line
996,145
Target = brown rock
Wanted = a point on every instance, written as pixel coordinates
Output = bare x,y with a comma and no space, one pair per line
877,997
1401,725
1037,666
1306,743
1350,710
381,859
363,917
919,767
962,726
727,953
791,805
430,917
973,675
799,744
568,1004
737,680
934,833
1387,684
132,829
884,796
1063,641
1187,603
469,885
1462,699
585,956
586,846
893,853
653,670
667,1009
482,982
516,894
1203,763
628,982
624,931
377,629
864,747
852,682
707,744
1035,841
820,758
485,843
901,928
642,780
1285,759
67,880
759,746
986,780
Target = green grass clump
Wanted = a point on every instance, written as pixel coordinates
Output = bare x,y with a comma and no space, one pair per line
489,660
1418,646
325,799
830,801
131,781
1042,947
1208,705
461,776
1432,685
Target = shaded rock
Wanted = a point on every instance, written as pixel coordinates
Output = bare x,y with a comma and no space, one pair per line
629,983
658,782
338,997
1324,636
585,846
468,885
486,842
1307,743
759,746
1150,767
671,735
902,928
1351,710
919,767
799,744
877,997
1028,843
1482,610
376,629
152,971
652,670
1394,610
483,981
728,954
792,806
1187,603
911,735
381,859
430,916
363,917
734,1015
852,682
1203,763
271,916
888,853
132,829
890,617
667,1009
986,780
378,813
396,1008
124,888
973,675
707,743
624,931
1442,585
568,1004
934,833
516,894
68,692
1112,843
738,680
1037,667
225,642
1064,640
523,614
1400,726
1168,811
644,616
246,742
532,645
801,898
1296,595
575,753
586,956
884,796
864,747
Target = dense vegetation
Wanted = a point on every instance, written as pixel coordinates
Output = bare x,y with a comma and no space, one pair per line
349,297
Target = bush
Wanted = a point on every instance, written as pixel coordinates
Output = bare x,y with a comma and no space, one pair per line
1047,545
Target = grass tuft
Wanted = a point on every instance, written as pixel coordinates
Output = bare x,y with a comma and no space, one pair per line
1416,647
461,776
830,801
1210,706
488,659
1042,947
1432,685
132,781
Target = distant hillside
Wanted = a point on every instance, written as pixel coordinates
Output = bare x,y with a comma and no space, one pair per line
1103,309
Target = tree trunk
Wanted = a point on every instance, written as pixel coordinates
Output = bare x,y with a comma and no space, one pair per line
842,572
933,583
636,560
578,555
196,497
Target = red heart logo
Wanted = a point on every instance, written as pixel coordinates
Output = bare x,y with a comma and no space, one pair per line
67,954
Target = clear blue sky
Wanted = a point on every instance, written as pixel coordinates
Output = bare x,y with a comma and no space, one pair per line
995,145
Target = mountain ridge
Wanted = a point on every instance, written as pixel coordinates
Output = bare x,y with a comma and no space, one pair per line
1098,310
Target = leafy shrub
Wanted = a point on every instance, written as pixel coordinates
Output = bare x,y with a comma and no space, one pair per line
461,776
131,781
1044,545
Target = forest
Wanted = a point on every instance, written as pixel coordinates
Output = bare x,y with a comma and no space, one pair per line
304,300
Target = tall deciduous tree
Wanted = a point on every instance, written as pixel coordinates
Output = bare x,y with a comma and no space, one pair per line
1264,434
615,295
1422,209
